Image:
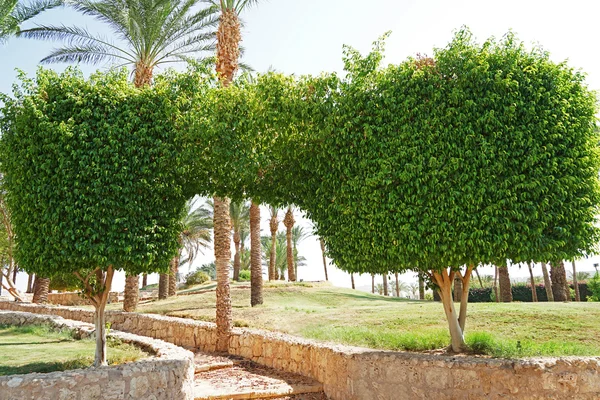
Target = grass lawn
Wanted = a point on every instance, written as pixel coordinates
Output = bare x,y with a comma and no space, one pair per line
37,348
323,312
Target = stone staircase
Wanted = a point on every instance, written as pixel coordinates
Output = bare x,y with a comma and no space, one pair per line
232,378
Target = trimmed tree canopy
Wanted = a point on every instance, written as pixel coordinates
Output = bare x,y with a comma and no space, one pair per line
93,174
480,154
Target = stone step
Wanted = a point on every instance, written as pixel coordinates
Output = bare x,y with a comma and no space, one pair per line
248,380
211,361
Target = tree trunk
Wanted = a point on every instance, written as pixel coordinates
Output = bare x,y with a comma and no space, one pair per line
273,224
464,298
444,282
15,272
421,287
496,284
575,282
547,283
222,242
479,278
352,280
533,290
237,239
163,286
385,285
1,278
132,293
41,288
397,285
256,278
99,300
173,276
505,286
324,260
373,283
144,280
29,284
458,289
288,222
560,287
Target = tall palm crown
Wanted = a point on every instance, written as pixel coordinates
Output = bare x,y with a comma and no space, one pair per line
150,32
13,14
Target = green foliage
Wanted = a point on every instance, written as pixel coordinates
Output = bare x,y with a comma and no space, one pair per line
481,154
93,173
65,282
594,288
197,277
244,275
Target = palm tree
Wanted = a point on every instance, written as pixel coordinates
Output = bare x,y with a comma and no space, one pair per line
40,290
273,226
505,285
150,33
256,278
298,235
558,276
240,219
13,14
575,283
228,54
288,222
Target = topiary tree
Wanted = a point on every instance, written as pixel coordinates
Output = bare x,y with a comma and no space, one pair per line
93,179
481,154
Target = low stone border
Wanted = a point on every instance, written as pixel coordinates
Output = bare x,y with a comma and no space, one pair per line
168,375
350,373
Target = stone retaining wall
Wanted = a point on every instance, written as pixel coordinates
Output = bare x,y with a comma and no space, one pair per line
74,299
349,373
168,375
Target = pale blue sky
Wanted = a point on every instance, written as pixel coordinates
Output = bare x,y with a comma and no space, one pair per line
306,37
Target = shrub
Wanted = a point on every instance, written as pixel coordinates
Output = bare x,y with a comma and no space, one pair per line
480,295
244,275
594,288
196,278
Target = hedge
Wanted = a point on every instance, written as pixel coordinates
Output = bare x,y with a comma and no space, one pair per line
520,293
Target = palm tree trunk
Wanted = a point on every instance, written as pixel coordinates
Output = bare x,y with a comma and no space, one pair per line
288,221
237,239
547,283
458,289
1,278
173,276
144,280
15,272
385,285
397,285
29,283
479,278
222,242
421,287
575,283
505,286
163,286
324,259
496,294
560,287
41,288
132,293
373,283
256,278
273,223
533,289
352,280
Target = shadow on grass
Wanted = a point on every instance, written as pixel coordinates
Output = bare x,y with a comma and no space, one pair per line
30,343
43,367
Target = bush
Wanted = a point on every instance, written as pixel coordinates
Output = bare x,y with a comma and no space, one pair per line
196,278
244,275
480,295
594,288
